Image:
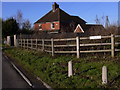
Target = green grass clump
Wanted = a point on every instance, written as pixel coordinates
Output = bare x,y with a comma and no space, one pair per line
53,70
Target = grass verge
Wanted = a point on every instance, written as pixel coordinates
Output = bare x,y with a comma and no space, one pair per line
53,70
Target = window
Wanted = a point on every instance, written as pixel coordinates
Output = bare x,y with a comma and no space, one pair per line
40,26
52,25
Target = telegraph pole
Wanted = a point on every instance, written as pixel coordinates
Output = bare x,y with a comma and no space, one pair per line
107,23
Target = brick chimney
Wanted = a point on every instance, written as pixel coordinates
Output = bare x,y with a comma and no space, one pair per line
55,6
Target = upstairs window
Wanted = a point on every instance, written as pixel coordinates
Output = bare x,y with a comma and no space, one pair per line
52,25
40,26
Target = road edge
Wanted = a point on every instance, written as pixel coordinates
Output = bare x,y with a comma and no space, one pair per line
25,78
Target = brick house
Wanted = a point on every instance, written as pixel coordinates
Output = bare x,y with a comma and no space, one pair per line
58,21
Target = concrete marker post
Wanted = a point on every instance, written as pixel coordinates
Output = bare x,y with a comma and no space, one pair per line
104,75
70,71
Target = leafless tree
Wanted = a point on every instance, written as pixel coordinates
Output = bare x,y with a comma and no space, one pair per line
23,23
97,20
103,20
26,25
19,18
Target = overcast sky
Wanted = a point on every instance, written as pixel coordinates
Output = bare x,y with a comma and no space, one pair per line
86,10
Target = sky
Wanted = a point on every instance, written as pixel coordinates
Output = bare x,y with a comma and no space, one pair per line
85,10
119,13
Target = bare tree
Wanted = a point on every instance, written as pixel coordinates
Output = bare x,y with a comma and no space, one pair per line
26,25
103,20
23,24
97,20
19,18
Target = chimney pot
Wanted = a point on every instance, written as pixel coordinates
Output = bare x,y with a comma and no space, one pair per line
55,6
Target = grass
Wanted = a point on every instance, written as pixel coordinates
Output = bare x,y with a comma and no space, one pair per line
53,70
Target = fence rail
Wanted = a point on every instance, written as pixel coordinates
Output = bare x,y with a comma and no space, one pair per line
72,45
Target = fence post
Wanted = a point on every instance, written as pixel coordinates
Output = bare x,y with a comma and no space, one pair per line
70,69
31,44
21,42
52,46
24,43
27,43
78,46
43,44
8,40
104,75
20,36
112,46
36,43
15,41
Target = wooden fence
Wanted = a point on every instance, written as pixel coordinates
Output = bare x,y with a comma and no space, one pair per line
73,45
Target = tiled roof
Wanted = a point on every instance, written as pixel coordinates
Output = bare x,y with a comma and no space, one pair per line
59,15
94,27
49,17
78,19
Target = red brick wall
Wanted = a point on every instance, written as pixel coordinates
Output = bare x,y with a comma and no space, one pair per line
36,26
47,26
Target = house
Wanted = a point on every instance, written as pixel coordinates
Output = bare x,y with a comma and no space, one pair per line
58,21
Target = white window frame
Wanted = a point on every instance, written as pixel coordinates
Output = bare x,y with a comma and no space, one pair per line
40,25
80,28
52,26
